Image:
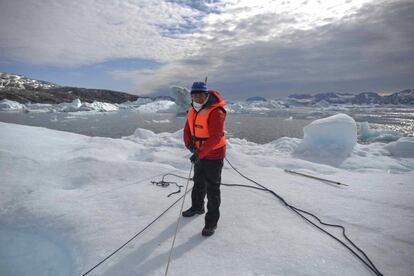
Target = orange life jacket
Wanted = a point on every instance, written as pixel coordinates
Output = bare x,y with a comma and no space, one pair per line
198,123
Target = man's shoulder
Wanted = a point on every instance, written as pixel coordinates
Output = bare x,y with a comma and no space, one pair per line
219,111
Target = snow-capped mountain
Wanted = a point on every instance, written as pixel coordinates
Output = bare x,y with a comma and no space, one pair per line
14,81
26,90
256,99
403,97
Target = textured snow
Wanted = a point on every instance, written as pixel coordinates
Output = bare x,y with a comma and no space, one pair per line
78,198
403,147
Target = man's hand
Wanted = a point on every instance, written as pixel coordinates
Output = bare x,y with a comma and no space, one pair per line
194,158
191,148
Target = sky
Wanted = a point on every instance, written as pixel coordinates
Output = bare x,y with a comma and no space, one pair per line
246,48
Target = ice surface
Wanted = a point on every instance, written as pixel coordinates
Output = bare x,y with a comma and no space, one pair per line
17,258
403,147
92,194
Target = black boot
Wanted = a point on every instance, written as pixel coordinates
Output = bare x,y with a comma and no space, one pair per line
208,231
191,212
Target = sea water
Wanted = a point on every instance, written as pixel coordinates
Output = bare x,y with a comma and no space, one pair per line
256,127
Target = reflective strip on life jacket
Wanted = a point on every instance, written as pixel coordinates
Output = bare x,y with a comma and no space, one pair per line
198,123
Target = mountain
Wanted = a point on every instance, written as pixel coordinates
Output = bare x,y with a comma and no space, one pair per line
23,90
12,81
256,99
402,97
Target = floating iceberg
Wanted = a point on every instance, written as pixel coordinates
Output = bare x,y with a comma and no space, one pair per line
376,135
99,106
162,106
70,107
76,105
328,140
254,106
10,105
137,103
182,97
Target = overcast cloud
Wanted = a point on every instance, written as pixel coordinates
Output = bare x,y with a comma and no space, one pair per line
267,48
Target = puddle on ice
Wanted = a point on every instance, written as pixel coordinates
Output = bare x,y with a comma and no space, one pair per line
24,254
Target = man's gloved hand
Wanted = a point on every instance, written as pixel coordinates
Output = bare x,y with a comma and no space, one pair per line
191,148
194,158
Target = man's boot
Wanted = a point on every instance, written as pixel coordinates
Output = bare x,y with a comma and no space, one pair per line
208,231
191,212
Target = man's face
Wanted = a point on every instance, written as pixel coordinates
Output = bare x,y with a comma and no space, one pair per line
199,98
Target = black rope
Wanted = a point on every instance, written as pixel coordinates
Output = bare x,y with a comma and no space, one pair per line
165,184
136,235
298,211
224,184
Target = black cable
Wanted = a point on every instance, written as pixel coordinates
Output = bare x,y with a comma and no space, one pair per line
136,235
165,184
224,184
298,211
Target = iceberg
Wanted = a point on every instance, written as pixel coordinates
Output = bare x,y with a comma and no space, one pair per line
10,105
162,106
376,135
182,98
330,139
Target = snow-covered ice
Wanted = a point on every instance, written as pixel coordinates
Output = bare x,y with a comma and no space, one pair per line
78,198
403,147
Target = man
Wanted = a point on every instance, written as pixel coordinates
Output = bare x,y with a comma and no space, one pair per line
204,137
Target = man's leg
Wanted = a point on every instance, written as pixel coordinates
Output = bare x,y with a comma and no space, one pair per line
212,173
199,189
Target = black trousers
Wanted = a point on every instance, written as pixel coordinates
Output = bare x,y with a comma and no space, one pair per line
207,180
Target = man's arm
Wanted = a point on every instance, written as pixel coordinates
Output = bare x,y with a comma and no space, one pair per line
187,135
215,129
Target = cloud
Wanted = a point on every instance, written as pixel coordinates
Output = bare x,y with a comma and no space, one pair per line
268,48
74,33
369,48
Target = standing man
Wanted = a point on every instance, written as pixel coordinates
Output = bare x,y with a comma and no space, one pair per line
204,137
